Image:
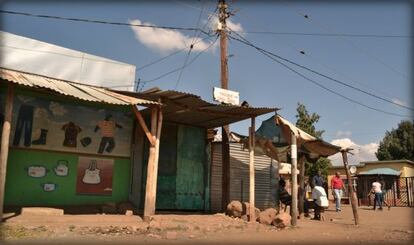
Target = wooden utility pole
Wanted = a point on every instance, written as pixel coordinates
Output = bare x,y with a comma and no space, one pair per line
294,185
301,197
350,187
5,145
225,130
252,212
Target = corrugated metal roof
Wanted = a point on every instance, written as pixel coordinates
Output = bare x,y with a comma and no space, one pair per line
190,109
68,88
381,171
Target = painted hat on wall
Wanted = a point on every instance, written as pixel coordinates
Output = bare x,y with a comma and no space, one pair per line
86,141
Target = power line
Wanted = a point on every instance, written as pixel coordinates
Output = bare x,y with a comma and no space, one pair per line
171,54
190,49
100,21
270,55
179,68
327,34
335,80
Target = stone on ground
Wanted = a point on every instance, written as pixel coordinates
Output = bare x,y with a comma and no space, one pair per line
41,211
282,220
267,216
234,209
124,207
246,210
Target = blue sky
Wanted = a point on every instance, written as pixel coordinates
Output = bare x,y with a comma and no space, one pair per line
379,65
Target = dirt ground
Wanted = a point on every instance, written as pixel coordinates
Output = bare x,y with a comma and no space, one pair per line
380,227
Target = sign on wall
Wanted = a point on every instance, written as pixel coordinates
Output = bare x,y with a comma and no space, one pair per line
94,176
44,124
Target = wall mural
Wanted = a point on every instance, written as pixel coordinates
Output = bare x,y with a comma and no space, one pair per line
94,176
45,124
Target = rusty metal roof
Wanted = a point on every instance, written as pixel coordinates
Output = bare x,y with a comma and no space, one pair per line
73,89
190,109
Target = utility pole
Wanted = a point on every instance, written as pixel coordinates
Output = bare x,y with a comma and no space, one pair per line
225,150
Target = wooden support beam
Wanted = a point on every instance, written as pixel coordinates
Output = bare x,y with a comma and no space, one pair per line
294,184
301,197
149,205
157,152
144,127
351,190
5,145
252,212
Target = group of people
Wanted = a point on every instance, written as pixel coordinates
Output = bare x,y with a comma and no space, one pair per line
319,196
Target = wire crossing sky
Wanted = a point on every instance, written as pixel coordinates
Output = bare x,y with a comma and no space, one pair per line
360,51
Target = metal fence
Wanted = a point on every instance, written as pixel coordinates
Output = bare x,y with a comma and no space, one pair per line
399,190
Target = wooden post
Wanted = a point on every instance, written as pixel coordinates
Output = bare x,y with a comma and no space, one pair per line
157,152
5,145
350,187
301,201
149,206
294,184
251,172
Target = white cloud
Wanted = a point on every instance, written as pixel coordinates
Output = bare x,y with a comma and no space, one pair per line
163,40
345,134
237,27
361,152
398,101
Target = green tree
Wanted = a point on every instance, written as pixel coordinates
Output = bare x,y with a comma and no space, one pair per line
398,143
306,121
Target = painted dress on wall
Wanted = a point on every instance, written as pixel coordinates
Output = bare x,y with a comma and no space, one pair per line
44,124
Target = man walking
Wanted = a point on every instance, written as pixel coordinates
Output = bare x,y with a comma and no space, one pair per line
337,184
376,189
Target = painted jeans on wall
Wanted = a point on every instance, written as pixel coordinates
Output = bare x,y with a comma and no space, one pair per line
338,196
24,122
108,143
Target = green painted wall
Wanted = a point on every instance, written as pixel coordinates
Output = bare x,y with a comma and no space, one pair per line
22,190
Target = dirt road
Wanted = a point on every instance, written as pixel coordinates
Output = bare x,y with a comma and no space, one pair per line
380,227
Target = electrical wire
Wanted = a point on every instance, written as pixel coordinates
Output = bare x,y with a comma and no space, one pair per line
333,79
99,21
326,34
179,68
170,55
269,55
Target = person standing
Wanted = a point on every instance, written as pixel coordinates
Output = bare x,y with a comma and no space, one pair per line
318,180
376,189
337,185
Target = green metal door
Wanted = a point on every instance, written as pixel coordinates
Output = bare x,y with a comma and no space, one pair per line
190,181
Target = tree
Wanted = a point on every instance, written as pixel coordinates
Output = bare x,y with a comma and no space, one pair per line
398,144
306,121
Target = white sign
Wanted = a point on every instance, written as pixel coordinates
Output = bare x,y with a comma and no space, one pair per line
226,96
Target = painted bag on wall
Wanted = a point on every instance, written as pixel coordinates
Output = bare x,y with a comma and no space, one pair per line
36,171
92,174
62,168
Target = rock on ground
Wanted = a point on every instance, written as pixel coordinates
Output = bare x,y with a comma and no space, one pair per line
234,209
246,211
124,207
267,216
282,220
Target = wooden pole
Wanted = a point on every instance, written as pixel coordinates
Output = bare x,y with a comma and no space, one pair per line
350,187
225,130
251,171
149,206
277,177
157,153
5,145
301,201
294,185
141,122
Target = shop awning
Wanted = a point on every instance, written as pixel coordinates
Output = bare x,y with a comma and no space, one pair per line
381,171
73,89
190,109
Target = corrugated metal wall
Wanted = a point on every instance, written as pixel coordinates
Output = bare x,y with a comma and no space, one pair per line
239,177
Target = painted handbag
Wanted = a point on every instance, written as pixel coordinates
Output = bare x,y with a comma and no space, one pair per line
62,168
36,171
48,187
92,174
